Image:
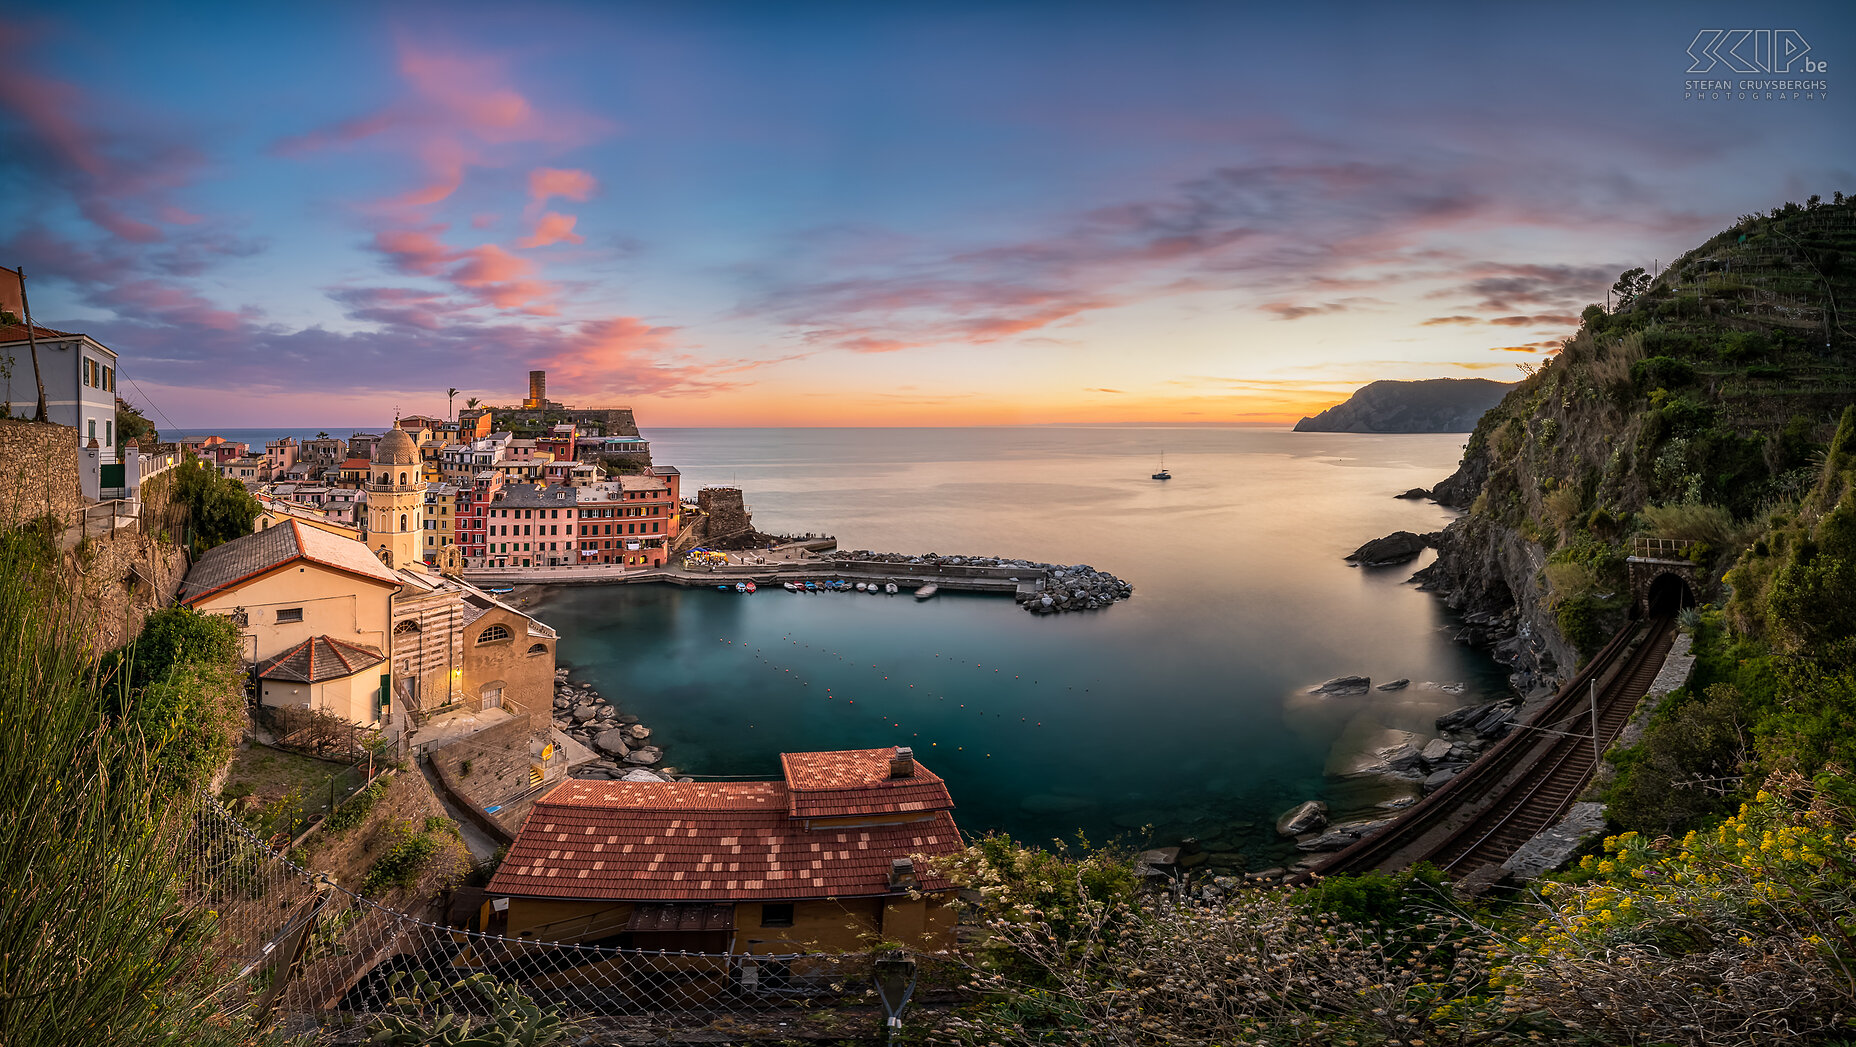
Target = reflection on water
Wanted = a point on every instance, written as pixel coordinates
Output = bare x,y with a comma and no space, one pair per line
1183,709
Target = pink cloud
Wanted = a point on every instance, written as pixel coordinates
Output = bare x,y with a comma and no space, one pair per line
417,252
338,134
152,300
483,221
489,264
499,278
553,228
467,87
544,182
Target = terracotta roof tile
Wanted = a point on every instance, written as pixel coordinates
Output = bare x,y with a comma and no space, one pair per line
614,841
17,333
320,658
225,566
857,782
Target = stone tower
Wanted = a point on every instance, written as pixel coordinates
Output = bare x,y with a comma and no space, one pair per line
395,500
537,391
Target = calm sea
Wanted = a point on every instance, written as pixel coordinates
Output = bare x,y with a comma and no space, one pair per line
1183,709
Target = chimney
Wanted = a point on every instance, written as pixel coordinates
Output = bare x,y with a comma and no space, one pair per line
902,873
902,765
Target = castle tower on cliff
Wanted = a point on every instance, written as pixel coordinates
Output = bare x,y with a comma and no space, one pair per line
395,500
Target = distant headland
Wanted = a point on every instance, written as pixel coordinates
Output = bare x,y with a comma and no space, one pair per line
1434,405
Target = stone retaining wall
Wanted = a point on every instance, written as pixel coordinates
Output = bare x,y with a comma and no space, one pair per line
123,577
38,471
499,759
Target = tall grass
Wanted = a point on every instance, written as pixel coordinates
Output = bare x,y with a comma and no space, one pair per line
97,945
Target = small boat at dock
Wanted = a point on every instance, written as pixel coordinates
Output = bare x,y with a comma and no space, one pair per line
811,587
750,587
725,588
860,587
891,589
926,591
500,590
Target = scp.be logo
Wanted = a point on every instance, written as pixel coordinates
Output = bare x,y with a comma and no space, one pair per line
1753,51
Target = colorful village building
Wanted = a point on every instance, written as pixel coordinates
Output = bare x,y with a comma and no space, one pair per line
832,858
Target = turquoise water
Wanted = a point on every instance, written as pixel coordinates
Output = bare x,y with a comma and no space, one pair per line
1182,709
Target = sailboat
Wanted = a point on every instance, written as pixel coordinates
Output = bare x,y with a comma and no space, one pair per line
1163,474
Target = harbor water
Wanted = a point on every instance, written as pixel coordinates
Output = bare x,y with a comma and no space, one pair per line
1183,711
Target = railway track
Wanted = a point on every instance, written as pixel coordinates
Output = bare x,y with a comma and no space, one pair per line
1529,779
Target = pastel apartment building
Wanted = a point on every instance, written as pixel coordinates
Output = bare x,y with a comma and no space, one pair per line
80,381
629,520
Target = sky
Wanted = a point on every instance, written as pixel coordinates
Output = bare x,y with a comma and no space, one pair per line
903,213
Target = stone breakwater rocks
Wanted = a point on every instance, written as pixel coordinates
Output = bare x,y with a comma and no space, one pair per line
1065,587
619,739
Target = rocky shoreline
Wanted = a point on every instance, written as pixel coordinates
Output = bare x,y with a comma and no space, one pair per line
1064,587
620,739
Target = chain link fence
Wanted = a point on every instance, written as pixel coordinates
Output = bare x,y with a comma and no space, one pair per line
308,955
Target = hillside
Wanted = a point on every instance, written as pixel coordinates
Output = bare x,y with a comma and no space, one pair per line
1695,410
1435,405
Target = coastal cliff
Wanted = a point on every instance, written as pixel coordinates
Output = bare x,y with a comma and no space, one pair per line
1435,405
1689,413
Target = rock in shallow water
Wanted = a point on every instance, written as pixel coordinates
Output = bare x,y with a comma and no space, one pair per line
1343,685
1395,685
1304,818
1396,547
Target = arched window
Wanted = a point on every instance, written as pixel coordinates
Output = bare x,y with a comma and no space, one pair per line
540,648
402,521
493,634
386,478
402,479
410,625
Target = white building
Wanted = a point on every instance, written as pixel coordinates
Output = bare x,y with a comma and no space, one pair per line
80,382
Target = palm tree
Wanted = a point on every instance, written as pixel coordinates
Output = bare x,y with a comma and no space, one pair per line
472,403
450,395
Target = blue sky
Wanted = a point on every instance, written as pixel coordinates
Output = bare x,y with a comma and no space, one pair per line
866,214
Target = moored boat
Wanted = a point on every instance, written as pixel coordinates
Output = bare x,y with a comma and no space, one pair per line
750,587
926,591
891,589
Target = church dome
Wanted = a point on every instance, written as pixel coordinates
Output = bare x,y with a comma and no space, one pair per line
396,448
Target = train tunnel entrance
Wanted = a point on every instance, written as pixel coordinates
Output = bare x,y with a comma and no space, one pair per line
1668,594
1663,580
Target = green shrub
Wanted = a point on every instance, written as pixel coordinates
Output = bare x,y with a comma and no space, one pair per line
1661,372
403,862
1581,622
1687,768
355,809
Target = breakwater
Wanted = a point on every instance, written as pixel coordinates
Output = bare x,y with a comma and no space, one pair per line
1040,588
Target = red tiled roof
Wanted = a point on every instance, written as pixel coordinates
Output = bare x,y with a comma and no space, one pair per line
320,658
857,781
354,463
17,333
241,559
607,840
